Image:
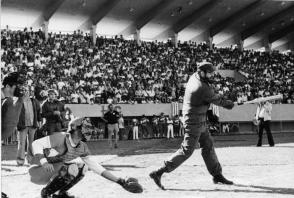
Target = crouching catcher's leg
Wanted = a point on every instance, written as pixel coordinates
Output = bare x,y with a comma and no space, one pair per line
67,177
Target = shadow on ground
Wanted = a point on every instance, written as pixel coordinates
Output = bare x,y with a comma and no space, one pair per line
253,189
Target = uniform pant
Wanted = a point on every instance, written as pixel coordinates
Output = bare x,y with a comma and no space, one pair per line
135,133
155,130
144,131
182,130
265,125
53,128
121,133
25,135
170,131
112,130
161,130
38,175
193,135
177,130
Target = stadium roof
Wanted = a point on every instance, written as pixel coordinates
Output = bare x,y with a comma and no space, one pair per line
227,21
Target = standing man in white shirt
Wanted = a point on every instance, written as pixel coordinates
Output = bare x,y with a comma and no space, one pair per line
170,127
263,114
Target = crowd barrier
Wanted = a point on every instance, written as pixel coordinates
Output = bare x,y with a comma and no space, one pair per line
239,118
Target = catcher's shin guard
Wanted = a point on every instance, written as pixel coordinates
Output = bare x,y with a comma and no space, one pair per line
66,178
78,178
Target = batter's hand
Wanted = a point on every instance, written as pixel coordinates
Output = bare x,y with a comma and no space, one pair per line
48,167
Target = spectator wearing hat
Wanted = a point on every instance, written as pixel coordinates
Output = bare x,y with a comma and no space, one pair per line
29,120
53,111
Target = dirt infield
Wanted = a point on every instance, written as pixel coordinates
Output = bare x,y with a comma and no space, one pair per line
257,171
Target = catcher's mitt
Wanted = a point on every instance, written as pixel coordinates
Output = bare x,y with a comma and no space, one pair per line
131,184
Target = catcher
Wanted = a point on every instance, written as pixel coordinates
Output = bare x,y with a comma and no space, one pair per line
56,162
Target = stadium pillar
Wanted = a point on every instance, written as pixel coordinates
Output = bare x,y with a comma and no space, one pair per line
138,36
45,29
175,39
93,34
267,45
209,42
240,44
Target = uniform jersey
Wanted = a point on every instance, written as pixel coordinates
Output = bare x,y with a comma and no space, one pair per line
198,96
169,122
60,144
177,122
144,121
155,120
135,122
162,120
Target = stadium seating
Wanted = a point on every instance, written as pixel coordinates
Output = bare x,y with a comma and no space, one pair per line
120,71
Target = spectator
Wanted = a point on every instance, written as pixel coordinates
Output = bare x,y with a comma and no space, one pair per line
111,118
263,114
29,120
53,111
159,69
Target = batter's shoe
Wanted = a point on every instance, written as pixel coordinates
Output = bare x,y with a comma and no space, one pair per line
221,179
63,195
3,195
156,178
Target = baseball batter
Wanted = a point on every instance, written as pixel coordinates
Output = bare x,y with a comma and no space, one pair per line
56,164
198,96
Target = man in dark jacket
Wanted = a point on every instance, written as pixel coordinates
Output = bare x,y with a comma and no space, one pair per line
198,96
111,118
53,111
29,121
11,103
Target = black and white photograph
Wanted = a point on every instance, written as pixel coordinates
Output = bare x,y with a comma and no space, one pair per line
147,98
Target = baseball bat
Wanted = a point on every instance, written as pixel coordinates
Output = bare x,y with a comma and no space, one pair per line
264,99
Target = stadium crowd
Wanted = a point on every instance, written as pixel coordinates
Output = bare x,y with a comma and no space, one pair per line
120,71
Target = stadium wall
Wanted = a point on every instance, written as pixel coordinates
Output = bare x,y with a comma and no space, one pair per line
240,116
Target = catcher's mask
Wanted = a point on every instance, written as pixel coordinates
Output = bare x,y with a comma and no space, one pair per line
83,125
